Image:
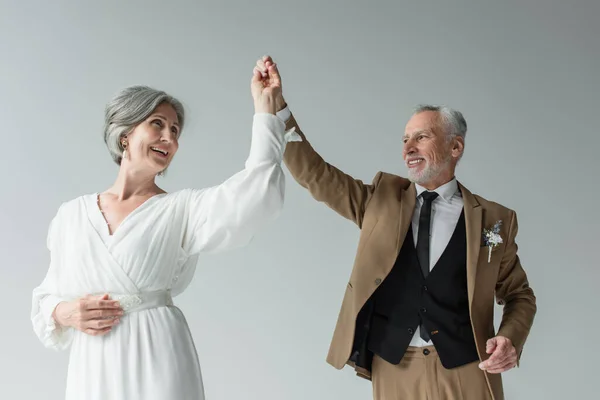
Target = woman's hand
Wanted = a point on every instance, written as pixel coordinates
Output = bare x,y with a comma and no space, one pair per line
94,315
266,87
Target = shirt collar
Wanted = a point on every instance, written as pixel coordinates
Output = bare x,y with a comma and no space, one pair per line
446,191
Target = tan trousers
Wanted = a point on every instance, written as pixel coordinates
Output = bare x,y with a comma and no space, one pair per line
421,376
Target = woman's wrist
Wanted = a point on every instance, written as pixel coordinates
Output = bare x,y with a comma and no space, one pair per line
267,105
56,315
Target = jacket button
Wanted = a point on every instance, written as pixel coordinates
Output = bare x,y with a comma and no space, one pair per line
411,331
426,352
423,310
377,281
425,288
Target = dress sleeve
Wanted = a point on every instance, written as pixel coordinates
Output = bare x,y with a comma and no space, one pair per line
228,215
46,297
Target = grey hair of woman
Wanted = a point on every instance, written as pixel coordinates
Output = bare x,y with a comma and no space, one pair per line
130,107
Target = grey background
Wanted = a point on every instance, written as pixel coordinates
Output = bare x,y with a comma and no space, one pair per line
524,73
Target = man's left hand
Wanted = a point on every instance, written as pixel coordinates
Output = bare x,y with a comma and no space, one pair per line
503,355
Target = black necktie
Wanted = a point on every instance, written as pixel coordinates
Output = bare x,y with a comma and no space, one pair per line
423,242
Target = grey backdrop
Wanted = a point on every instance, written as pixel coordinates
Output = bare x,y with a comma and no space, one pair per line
525,75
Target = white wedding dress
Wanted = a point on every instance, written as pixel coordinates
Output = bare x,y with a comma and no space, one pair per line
151,258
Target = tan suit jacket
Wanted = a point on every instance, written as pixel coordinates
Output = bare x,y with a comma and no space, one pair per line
383,211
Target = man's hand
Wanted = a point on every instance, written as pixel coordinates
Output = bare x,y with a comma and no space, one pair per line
503,355
262,67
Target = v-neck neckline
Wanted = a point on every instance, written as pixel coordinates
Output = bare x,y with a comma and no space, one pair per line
106,230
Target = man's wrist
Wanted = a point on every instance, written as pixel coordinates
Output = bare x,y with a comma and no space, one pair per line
280,103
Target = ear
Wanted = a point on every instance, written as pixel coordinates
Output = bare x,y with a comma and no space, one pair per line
458,146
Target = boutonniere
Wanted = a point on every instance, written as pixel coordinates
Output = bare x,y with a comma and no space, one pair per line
492,238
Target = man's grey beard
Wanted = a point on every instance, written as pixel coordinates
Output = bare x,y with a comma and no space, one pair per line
429,172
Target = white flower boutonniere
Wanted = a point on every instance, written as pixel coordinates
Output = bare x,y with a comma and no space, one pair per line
492,238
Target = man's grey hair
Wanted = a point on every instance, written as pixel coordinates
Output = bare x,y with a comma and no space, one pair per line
453,120
130,107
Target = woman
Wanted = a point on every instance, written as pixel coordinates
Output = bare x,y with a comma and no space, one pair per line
118,257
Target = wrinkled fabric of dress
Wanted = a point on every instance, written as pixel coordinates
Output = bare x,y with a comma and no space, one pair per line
150,259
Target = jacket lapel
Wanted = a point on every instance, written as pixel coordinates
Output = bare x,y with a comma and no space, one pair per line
407,208
393,224
473,220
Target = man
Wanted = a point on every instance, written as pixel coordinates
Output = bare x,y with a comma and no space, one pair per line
417,314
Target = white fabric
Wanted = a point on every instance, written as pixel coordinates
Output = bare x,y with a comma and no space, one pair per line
284,114
445,213
143,301
152,256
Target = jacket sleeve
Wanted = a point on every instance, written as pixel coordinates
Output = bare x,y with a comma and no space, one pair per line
512,290
347,196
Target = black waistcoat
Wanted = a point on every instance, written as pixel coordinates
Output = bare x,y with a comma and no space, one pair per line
440,300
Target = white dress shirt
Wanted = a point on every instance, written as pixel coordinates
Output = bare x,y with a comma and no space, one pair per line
445,213
284,114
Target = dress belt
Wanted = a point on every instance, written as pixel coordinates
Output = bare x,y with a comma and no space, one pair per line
143,300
